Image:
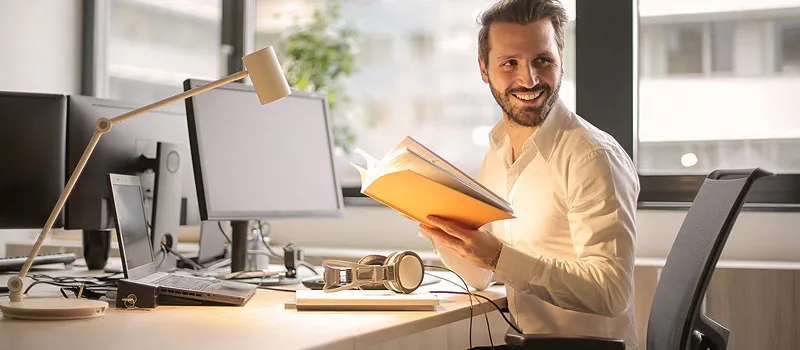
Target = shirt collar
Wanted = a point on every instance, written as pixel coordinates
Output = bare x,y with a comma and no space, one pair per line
545,137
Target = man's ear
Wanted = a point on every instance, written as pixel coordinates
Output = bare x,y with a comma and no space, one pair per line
484,73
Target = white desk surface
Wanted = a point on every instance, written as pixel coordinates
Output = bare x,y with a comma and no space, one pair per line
263,323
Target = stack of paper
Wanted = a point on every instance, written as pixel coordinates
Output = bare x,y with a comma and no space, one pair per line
356,300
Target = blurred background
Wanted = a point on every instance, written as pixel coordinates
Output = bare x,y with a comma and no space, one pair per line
717,78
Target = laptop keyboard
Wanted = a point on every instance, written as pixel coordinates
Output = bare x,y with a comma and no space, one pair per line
184,282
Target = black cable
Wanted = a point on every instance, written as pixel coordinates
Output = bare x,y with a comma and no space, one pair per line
222,230
261,228
57,284
278,289
264,236
485,313
466,286
308,266
103,281
88,291
163,254
271,252
188,261
512,325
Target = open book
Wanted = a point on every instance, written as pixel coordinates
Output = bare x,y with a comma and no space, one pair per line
417,182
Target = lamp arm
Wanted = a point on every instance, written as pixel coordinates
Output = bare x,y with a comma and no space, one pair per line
15,283
102,126
179,97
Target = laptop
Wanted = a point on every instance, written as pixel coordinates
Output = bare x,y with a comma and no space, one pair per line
137,256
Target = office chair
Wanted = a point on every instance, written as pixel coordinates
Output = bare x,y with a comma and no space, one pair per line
676,322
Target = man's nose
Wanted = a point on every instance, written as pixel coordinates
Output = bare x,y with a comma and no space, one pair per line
528,76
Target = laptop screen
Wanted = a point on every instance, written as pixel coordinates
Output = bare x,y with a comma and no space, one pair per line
132,225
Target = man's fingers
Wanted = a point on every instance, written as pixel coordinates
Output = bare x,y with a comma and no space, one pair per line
442,237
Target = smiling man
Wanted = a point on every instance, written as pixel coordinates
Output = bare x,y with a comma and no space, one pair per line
567,257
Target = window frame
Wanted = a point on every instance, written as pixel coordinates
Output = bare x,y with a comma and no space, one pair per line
778,25
607,40
234,28
606,49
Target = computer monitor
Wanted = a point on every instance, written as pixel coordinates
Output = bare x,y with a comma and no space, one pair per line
33,141
254,161
129,148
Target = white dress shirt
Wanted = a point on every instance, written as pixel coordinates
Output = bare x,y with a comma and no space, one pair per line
567,257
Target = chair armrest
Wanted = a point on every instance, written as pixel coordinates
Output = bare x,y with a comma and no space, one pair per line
550,342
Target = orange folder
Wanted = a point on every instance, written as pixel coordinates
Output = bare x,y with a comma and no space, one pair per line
418,197
418,183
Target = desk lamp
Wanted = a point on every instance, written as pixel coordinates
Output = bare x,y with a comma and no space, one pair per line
270,85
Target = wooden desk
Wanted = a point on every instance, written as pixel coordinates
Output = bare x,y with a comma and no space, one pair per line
263,323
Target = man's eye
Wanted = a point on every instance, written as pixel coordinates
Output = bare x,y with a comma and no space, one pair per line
510,63
541,61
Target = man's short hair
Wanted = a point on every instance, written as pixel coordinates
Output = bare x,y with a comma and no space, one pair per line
522,12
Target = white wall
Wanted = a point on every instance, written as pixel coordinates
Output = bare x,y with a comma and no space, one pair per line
689,109
40,51
756,236
41,45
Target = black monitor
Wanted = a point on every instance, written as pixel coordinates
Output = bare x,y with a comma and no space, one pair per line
33,142
129,148
254,161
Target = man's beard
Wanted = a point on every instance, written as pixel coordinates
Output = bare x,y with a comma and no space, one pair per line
526,116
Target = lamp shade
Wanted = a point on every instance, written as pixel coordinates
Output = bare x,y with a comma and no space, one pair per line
267,76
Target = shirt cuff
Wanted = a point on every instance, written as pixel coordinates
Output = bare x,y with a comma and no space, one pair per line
514,267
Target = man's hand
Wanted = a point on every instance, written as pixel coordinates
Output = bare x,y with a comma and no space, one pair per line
477,246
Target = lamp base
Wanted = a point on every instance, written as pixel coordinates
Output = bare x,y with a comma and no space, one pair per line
53,308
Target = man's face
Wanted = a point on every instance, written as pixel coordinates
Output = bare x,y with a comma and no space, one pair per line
523,70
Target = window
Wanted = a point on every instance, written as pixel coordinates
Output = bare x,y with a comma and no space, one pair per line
151,47
788,46
683,49
684,46
416,74
693,124
722,44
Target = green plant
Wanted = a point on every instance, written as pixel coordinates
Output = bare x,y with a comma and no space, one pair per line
317,56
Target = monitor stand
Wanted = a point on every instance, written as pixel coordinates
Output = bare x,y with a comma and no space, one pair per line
239,233
166,213
239,236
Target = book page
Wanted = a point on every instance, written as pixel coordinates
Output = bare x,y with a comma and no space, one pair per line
371,161
416,147
406,159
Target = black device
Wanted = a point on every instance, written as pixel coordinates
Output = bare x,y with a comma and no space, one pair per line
130,148
138,259
136,295
33,139
254,161
14,263
170,164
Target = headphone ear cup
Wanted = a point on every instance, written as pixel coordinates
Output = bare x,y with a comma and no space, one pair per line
373,259
389,283
408,272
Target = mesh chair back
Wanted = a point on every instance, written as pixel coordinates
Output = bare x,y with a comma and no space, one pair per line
694,254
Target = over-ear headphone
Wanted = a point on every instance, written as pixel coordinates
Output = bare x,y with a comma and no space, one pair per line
400,272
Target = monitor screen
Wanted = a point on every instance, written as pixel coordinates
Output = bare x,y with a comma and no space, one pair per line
33,140
254,161
121,151
132,225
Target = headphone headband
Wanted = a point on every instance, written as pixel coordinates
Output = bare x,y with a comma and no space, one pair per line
401,272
